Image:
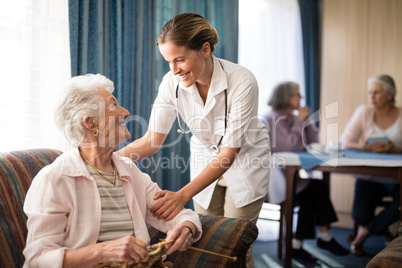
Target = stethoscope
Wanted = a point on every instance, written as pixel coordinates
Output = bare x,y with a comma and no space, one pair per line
213,148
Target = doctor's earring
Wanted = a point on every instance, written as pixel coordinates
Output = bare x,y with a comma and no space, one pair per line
96,132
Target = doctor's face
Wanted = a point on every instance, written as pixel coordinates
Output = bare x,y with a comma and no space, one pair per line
189,65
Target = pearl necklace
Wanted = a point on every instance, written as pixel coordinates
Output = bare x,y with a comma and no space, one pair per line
98,172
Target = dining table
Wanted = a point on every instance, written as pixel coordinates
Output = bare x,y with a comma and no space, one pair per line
353,162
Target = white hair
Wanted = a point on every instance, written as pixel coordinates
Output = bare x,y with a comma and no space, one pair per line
387,83
79,101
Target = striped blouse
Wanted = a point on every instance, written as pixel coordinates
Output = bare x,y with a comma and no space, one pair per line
116,220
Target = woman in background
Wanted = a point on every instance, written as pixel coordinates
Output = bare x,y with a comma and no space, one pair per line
379,118
291,133
90,205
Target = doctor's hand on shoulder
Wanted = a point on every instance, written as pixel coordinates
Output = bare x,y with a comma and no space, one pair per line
171,203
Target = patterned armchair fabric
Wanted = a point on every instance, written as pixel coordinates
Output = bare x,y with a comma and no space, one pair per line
226,236
17,169
391,256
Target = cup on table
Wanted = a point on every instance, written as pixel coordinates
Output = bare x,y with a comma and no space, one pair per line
334,146
317,148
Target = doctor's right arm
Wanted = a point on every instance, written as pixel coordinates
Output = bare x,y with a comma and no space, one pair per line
147,145
162,116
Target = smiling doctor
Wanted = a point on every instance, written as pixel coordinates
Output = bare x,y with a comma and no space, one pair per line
218,101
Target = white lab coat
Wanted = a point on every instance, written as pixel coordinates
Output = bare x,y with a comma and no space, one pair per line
248,177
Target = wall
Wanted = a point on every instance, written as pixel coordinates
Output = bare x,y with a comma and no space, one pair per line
360,38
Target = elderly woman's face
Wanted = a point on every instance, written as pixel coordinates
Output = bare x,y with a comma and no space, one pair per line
377,95
295,99
112,120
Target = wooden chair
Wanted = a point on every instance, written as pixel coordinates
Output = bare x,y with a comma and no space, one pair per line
326,179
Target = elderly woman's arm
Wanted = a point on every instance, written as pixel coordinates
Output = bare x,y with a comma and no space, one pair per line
353,132
184,229
125,249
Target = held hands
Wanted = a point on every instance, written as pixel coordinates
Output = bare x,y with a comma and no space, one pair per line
304,113
182,237
380,147
169,205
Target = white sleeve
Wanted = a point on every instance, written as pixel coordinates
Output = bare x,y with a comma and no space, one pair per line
47,220
242,115
164,109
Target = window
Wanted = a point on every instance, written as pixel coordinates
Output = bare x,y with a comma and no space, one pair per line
35,63
270,43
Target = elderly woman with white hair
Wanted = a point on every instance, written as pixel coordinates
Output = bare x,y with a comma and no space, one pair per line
91,206
378,118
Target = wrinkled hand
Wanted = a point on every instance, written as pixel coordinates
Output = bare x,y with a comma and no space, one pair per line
304,113
125,249
169,204
379,147
182,238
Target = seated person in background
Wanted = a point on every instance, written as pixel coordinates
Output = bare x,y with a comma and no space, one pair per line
380,117
290,133
91,206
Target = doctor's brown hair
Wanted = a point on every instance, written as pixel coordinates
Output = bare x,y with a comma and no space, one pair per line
190,30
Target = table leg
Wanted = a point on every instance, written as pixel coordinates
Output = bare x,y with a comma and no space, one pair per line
290,189
400,192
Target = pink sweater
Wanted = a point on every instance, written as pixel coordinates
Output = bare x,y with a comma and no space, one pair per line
64,208
360,127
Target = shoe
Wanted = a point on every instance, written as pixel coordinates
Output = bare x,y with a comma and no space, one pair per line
303,255
332,246
357,249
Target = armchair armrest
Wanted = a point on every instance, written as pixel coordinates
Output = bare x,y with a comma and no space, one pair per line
227,236
391,256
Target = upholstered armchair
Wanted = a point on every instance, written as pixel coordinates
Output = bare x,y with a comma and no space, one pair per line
227,236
